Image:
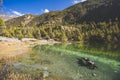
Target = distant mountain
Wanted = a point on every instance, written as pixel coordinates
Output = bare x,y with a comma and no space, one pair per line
21,19
88,11
6,17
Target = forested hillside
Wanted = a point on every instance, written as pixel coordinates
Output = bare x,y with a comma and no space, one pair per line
93,10
91,21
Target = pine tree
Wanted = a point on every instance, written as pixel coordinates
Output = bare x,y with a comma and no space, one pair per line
63,37
2,27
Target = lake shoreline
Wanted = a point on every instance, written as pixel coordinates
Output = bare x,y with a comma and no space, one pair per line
12,47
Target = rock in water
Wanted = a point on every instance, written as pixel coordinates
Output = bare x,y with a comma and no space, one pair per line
45,74
94,74
115,71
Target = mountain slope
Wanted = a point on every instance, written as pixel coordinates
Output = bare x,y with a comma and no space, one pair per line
6,17
18,20
88,11
53,17
93,10
92,21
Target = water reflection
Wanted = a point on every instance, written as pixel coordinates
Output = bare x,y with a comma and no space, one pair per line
107,50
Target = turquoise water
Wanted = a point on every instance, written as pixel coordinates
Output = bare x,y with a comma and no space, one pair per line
61,61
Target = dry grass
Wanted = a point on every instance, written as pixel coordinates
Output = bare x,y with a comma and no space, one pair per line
18,76
12,51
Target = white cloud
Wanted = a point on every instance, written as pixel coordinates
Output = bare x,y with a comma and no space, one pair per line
82,0
17,13
77,1
46,11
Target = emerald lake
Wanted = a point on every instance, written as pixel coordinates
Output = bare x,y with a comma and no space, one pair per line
60,62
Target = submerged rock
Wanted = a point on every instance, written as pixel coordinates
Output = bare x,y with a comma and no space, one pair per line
87,63
115,71
45,74
94,74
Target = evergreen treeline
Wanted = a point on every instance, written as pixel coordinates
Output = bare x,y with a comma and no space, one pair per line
88,32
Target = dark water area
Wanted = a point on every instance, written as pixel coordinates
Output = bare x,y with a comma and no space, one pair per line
62,62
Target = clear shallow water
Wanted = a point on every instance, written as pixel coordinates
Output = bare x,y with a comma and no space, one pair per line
59,62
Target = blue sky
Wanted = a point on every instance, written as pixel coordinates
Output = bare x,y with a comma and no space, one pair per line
20,7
